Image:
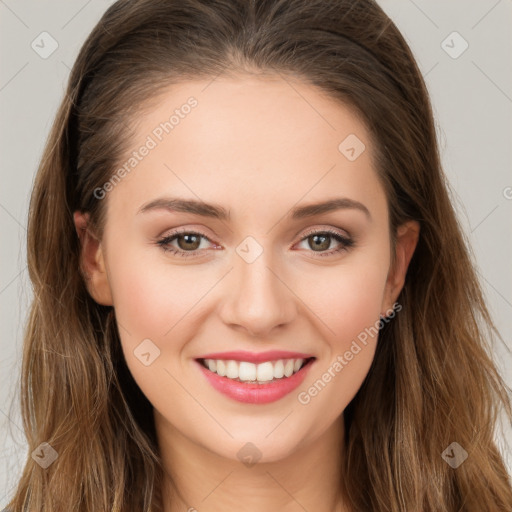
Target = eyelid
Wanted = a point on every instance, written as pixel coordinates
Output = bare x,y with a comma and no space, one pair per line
170,233
341,236
191,230
326,229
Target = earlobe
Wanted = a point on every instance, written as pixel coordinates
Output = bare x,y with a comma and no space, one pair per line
406,241
92,262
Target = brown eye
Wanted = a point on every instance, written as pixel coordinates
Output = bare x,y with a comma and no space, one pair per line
188,241
184,243
319,241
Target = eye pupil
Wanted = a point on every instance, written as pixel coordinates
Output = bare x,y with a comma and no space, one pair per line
190,239
320,245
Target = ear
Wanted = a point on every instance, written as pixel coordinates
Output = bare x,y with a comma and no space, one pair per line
92,261
406,240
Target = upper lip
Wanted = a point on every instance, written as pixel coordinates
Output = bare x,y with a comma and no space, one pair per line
256,357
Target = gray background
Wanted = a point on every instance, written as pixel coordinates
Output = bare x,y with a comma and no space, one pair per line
472,98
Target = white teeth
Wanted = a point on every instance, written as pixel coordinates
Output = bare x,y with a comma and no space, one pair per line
288,368
250,372
221,367
246,371
231,370
265,372
279,369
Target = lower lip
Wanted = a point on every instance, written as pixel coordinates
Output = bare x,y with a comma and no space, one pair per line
256,393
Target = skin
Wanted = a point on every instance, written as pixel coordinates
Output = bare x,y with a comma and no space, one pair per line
258,146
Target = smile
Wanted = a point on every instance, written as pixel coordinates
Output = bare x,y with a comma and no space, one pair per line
244,371
255,383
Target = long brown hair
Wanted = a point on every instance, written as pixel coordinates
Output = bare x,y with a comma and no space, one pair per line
433,380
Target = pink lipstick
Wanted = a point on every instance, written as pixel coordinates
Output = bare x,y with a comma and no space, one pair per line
256,378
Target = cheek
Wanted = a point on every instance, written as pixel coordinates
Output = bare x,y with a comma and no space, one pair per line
346,299
154,307
151,299
348,305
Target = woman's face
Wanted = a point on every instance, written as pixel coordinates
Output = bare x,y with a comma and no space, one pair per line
261,272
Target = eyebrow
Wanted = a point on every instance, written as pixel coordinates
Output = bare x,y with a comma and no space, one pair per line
218,212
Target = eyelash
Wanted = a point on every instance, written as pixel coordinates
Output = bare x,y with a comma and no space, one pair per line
346,242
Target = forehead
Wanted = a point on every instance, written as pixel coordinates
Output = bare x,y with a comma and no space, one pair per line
243,141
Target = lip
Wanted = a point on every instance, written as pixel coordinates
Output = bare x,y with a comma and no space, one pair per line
256,357
255,393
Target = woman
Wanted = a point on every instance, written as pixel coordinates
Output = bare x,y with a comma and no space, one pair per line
250,284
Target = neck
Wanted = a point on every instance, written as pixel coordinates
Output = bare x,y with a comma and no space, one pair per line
199,480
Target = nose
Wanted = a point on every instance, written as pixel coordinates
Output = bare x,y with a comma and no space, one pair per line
257,297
